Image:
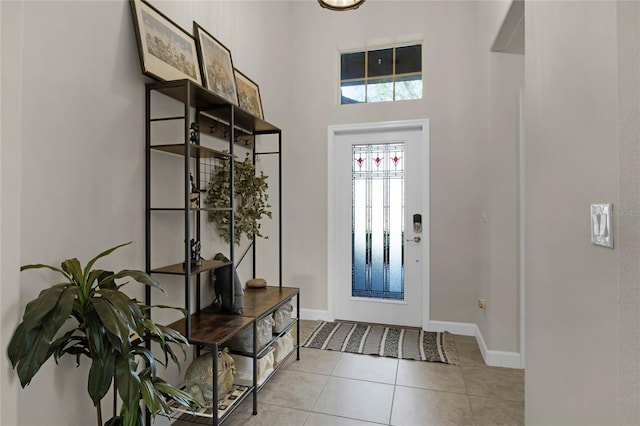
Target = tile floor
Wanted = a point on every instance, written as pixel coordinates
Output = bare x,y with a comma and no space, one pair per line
328,388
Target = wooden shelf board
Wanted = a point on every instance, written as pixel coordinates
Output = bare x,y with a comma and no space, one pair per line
207,328
214,105
259,301
178,268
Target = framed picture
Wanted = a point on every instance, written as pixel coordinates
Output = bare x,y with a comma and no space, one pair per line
167,52
601,225
249,95
217,67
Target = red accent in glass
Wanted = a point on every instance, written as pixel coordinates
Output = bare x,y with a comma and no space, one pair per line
378,160
360,161
395,160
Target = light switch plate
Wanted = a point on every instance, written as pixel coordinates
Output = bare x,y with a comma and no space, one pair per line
601,225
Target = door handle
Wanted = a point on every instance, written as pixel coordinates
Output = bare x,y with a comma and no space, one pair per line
415,239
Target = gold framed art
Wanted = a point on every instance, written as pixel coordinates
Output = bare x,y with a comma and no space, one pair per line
167,52
248,95
217,65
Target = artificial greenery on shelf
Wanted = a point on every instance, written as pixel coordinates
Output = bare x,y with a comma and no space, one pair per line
251,199
110,329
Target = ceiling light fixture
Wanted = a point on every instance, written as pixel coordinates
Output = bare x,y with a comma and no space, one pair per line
341,4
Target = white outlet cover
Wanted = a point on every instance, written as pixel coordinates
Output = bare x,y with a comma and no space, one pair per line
601,225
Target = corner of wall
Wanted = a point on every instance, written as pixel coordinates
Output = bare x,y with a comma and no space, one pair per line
10,188
491,357
627,220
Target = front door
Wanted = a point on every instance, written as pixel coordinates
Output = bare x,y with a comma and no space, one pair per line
380,222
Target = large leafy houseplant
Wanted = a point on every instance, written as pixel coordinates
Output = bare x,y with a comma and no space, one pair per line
110,329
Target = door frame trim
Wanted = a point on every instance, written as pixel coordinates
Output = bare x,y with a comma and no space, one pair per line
332,132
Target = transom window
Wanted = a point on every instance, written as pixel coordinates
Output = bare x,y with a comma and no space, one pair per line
387,74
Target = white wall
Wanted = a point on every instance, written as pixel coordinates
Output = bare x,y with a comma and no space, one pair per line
628,219
571,162
471,98
73,152
454,103
10,189
499,323
506,78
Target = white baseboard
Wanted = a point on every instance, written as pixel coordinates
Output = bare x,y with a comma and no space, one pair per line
462,328
504,359
491,357
315,314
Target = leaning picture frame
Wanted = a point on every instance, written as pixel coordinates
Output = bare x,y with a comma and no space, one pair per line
249,95
167,52
216,64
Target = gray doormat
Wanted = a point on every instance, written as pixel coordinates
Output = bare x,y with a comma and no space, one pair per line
388,341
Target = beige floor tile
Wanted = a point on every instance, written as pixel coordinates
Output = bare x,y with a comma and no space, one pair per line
317,419
468,340
469,354
329,388
494,382
356,399
492,412
293,389
424,407
315,361
430,375
242,412
268,415
367,367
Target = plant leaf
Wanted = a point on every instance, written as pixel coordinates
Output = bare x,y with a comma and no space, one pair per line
34,312
29,365
29,346
148,392
100,376
148,355
114,421
97,336
153,329
113,321
94,275
72,345
73,268
173,335
61,311
139,276
128,383
175,308
90,264
58,316
40,266
170,391
126,307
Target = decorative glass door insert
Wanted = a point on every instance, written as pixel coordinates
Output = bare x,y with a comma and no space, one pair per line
377,230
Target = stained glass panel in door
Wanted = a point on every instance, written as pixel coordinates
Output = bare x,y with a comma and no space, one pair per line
378,221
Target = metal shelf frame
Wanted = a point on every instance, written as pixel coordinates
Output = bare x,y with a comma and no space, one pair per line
221,119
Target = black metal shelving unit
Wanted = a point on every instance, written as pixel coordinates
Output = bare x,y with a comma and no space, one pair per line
205,111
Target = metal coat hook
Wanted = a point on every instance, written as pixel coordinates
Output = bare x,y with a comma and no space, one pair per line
244,139
194,134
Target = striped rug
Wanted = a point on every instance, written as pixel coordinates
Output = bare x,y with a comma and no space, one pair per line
394,342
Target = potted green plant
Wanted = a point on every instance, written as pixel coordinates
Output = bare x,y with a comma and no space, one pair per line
109,328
